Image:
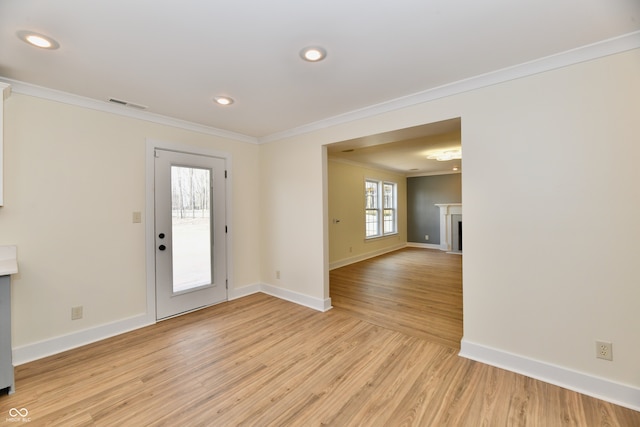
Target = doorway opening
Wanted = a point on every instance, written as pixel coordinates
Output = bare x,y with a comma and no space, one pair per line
401,155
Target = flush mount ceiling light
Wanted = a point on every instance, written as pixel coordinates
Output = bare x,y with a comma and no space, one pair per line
38,40
223,100
443,156
313,54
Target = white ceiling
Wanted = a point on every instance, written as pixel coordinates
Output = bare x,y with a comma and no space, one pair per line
404,151
175,56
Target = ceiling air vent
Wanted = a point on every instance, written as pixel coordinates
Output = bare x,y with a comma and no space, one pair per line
127,104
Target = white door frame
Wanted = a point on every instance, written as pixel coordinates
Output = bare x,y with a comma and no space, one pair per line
150,246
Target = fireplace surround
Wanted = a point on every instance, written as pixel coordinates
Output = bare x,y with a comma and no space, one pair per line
450,217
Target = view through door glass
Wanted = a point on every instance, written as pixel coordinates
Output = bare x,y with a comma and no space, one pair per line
191,227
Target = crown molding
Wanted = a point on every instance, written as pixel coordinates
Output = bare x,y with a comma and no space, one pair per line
574,56
81,101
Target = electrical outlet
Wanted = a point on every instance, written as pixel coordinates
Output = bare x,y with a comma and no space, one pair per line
277,274
604,350
426,237
76,312
136,217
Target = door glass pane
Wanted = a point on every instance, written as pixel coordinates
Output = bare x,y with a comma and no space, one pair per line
191,227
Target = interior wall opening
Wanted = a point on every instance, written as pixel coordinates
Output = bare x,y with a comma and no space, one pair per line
391,278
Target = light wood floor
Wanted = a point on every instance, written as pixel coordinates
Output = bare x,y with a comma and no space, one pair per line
414,291
261,361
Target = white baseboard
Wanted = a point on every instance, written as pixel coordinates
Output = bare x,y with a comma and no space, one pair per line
362,257
285,294
600,388
301,299
49,347
423,245
244,291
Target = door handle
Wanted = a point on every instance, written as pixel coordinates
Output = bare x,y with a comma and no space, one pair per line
162,247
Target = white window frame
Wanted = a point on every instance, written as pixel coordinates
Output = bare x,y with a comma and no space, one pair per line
378,206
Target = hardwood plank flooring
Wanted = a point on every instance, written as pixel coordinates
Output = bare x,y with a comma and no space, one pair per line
261,361
414,291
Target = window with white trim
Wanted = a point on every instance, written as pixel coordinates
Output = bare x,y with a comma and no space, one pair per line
381,216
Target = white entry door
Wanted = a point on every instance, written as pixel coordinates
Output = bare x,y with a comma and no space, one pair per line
190,232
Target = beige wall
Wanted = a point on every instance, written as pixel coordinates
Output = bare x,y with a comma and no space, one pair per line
551,201
292,217
73,177
550,205
346,202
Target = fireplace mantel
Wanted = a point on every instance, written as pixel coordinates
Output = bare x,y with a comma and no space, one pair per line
446,211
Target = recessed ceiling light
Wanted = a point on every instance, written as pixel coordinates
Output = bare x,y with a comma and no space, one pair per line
455,168
38,40
223,100
313,54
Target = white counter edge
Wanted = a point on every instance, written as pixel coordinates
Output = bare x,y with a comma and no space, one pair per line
8,260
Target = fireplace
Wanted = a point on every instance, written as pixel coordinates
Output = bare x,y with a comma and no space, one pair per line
456,233
450,227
